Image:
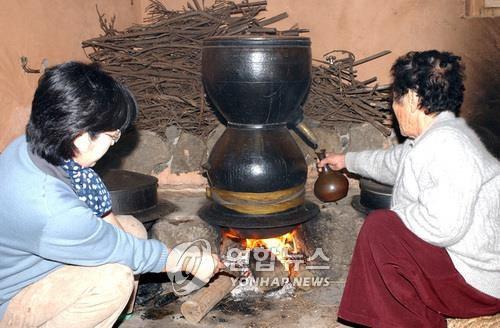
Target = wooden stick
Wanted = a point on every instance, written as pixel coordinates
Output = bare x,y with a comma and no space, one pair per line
377,55
206,298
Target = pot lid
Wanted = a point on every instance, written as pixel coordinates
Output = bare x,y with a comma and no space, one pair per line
118,180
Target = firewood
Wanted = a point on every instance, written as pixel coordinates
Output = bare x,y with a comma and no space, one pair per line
160,62
195,308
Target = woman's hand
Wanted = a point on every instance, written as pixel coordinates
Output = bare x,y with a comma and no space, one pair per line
186,258
335,161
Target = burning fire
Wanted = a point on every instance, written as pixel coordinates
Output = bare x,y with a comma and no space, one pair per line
282,246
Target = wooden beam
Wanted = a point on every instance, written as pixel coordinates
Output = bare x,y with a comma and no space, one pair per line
473,8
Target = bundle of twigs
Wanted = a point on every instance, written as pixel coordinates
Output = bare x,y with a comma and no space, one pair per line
160,62
337,96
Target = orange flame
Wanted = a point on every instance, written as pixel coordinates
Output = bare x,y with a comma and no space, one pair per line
281,246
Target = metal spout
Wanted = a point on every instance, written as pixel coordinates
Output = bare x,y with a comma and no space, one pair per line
306,134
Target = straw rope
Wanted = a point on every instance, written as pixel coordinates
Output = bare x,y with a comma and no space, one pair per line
479,322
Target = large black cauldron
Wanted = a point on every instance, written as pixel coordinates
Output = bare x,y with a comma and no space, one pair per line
257,80
256,171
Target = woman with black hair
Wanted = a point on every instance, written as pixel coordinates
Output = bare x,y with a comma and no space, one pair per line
65,259
436,252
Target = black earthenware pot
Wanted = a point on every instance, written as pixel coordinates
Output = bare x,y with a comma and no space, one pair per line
256,160
257,80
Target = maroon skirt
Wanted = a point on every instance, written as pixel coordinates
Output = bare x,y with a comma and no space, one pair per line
398,280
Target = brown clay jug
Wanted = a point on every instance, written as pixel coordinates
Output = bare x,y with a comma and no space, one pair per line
331,185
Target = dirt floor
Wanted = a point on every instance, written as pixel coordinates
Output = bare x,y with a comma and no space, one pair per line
316,308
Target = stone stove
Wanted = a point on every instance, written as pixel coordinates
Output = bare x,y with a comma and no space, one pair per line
334,230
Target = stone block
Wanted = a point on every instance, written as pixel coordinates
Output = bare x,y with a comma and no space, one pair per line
184,225
364,136
328,139
189,154
172,134
181,227
214,135
138,150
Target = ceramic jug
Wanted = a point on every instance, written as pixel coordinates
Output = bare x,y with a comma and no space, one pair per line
331,185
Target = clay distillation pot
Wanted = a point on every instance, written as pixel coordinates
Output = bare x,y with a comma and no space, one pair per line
257,84
256,171
331,185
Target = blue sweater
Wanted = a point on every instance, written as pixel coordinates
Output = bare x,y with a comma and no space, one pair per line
43,225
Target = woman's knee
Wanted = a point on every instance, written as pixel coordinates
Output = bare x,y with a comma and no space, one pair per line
380,223
117,279
133,226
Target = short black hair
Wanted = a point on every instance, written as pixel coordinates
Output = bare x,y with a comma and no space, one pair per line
437,78
73,98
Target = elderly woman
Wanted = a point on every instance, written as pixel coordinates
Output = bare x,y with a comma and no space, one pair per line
436,252
65,259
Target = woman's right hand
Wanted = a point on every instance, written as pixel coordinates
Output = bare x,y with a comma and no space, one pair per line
191,259
333,160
